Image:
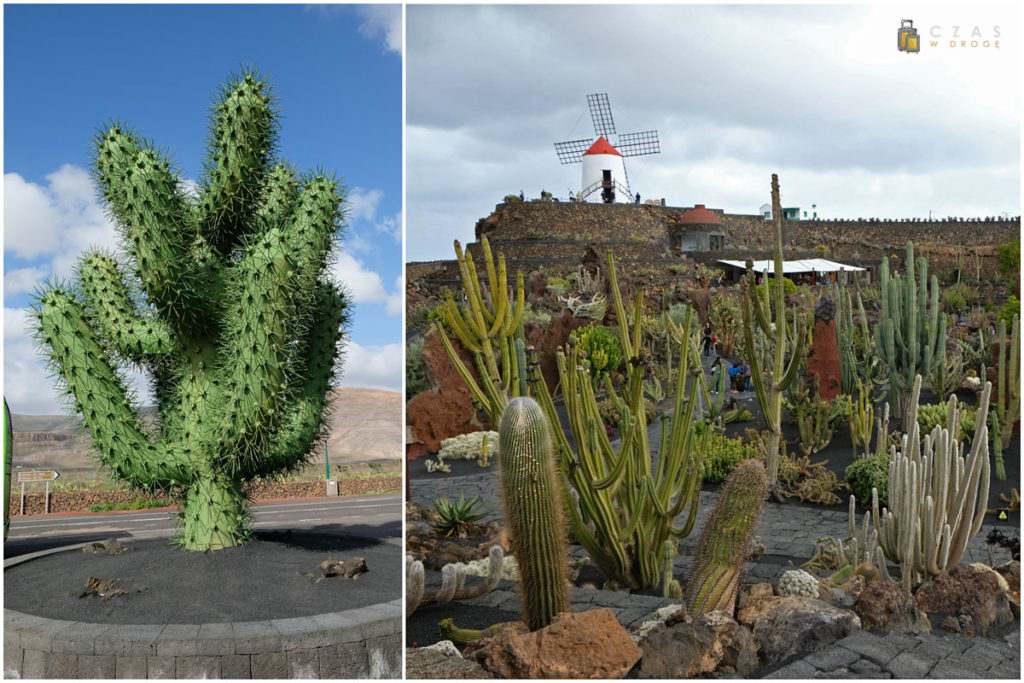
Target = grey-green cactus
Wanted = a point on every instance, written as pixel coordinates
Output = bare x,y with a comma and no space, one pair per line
534,511
911,336
777,327
453,582
724,542
1007,399
937,496
223,298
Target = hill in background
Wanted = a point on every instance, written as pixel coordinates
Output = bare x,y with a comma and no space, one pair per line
366,426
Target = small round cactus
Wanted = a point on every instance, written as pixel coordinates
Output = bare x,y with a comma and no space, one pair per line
798,583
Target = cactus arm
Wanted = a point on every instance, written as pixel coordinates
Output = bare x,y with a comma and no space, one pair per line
239,146
620,311
107,299
278,202
154,218
77,356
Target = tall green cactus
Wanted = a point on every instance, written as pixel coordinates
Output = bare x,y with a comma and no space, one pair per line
534,511
771,382
937,497
724,542
1007,401
488,326
911,336
228,306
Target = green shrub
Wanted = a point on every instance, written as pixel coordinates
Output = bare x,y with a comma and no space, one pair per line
954,299
137,504
1010,308
415,369
723,455
457,517
1009,261
611,416
602,346
933,415
867,473
559,285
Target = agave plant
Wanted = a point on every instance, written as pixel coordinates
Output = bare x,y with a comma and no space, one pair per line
459,517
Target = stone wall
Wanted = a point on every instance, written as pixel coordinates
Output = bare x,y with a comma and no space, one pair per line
554,230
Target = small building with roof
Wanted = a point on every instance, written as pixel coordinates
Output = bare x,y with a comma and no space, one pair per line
699,229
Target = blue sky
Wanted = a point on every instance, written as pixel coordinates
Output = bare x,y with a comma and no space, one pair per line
68,69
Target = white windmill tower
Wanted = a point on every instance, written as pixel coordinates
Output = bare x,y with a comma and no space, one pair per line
604,173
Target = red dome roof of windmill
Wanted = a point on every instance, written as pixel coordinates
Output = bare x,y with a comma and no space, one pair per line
602,146
699,214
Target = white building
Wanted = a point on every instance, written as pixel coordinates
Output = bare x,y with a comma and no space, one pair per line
604,175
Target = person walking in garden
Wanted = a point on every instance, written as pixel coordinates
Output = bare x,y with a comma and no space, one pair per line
716,367
706,339
745,376
735,378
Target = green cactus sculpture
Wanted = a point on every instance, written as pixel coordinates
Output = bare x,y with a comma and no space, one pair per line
911,336
771,382
534,511
725,540
223,298
937,497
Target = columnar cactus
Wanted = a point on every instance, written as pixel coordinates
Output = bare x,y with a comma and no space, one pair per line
911,337
534,511
223,297
487,326
937,496
453,582
771,382
1007,400
725,540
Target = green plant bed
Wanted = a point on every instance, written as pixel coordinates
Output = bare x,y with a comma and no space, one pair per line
137,504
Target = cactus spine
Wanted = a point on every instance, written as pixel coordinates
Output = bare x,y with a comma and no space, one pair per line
724,542
229,309
770,383
534,510
938,496
911,336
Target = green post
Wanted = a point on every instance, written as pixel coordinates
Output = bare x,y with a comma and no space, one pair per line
327,460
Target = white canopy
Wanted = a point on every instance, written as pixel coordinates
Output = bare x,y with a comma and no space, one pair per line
817,265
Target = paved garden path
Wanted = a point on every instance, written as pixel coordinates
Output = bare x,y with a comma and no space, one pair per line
790,535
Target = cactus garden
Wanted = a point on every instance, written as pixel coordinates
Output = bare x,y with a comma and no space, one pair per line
730,460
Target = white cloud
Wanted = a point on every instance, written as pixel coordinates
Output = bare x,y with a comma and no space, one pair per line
23,280
384,22
362,204
374,367
396,301
392,225
58,221
363,285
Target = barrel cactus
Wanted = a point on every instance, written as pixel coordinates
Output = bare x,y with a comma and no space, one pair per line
724,544
534,510
222,295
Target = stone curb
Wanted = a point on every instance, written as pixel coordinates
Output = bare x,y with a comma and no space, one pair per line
367,640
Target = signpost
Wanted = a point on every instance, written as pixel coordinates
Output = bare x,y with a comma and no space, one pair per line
37,475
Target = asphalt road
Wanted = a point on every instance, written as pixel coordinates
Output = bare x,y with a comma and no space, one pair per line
377,516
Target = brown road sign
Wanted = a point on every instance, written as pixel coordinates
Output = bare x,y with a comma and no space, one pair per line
38,475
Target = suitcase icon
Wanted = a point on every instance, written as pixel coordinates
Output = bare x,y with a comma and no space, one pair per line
908,40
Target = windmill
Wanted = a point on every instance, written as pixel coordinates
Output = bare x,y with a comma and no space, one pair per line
603,169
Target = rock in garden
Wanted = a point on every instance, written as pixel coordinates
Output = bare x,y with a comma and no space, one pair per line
586,645
689,648
111,546
753,601
973,588
890,606
348,569
1011,572
441,660
793,626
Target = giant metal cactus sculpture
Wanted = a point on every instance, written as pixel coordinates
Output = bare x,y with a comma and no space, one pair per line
229,309
723,545
937,496
771,382
534,511
911,336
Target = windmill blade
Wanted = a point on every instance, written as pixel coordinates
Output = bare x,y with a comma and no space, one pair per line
571,151
601,113
637,144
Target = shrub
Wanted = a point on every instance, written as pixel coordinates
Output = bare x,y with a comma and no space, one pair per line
867,473
1010,308
415,369
723,455
602,346
559,285
1009,260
